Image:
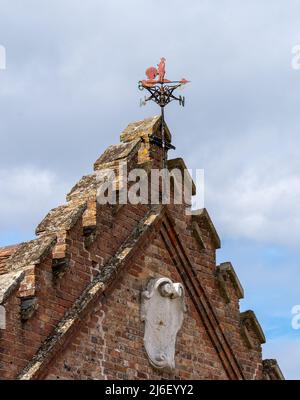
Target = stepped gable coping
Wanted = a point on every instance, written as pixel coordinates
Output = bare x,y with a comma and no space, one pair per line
61,218
250,315
202,213
180,164
227,268
144,129
5,253
8,283
271,366
31,253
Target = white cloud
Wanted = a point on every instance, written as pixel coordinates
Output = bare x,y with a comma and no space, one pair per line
27,194
263,208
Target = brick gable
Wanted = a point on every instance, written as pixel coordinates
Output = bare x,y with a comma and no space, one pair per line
72,295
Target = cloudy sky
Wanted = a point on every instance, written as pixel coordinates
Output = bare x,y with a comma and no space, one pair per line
70,88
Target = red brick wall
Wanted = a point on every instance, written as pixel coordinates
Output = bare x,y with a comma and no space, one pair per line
110,341
20,340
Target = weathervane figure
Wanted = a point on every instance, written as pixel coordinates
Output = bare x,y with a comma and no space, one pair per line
161,92
162,69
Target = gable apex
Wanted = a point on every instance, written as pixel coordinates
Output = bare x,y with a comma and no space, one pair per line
145,128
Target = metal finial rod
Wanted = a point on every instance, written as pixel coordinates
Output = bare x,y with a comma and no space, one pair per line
163,138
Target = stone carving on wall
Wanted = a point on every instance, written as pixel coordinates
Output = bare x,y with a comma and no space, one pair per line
162,310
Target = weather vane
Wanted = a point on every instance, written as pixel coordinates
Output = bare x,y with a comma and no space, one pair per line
161,91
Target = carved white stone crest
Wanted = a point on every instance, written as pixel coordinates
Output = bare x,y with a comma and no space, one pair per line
162,310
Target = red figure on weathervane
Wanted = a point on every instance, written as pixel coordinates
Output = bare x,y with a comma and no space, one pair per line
160,71
152,73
